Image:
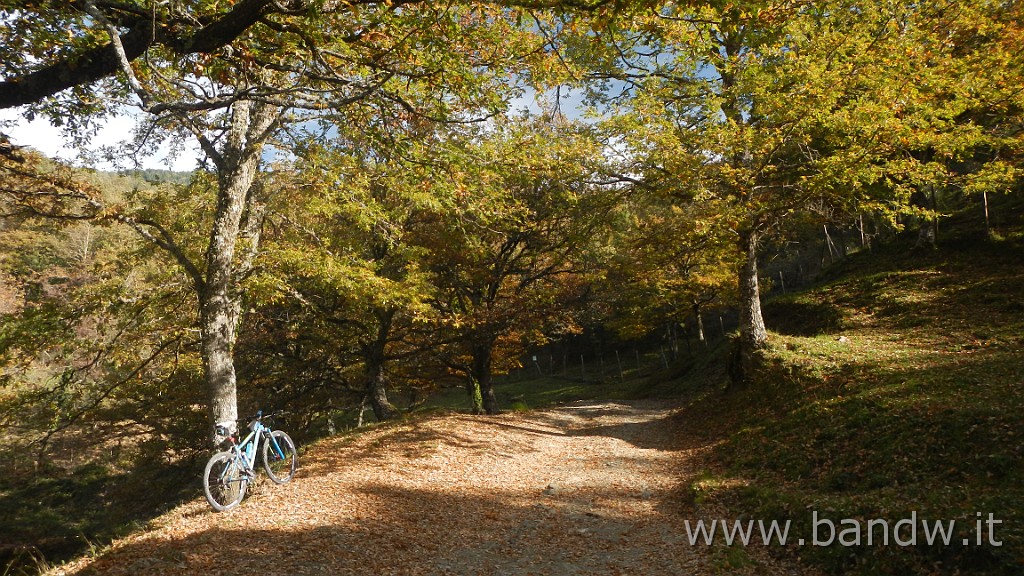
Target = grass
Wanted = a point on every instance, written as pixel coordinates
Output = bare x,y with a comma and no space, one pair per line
894,389
60,515
530,390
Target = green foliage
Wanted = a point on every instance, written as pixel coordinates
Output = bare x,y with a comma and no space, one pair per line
96,336
98,389
670,263
529,391
409,238
748,118
511,259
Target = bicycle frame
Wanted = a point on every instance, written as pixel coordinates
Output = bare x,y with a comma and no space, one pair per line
229,472
256,430
273,443
242,451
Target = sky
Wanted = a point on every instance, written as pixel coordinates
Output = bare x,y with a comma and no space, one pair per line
47,139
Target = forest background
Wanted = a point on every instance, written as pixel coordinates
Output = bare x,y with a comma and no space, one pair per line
372,220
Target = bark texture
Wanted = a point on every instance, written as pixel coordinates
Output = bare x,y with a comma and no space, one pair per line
700,323
753,335
375,359
481,373
237,214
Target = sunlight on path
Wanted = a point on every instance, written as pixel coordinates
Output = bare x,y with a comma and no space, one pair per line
583,489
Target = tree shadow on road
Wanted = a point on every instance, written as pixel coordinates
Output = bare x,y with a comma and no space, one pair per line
418,531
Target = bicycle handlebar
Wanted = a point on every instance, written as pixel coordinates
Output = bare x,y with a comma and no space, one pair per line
259,415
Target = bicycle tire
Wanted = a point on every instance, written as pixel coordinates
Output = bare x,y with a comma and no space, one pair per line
280,470
224,481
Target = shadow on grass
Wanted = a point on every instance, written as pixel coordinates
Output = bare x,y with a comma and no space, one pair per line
57,518
797,317
926,426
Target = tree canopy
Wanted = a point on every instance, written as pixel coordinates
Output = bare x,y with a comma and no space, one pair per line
373,216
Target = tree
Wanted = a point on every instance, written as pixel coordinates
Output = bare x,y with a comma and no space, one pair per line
670,262
508,262
233,77
970,80
48,48
343,258
767,109
94,339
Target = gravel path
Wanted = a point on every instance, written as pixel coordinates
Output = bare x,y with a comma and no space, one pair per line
581,489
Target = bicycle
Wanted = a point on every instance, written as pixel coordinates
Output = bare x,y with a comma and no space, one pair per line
229,472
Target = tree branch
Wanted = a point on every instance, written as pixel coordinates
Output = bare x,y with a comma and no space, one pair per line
164,240
207,35
106,393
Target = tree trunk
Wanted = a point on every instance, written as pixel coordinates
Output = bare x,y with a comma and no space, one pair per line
473,391
481,374
927,232
925,236
673,343
376,382
362,410
218,341
753,336
700,323
220,300
376,390
988,226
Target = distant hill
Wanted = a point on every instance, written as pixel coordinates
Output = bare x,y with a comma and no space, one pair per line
156,176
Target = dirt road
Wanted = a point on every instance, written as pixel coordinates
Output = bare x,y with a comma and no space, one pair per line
581,489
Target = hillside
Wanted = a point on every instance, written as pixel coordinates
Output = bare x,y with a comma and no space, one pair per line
893,390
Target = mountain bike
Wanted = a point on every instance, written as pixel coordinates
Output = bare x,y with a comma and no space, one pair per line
228,473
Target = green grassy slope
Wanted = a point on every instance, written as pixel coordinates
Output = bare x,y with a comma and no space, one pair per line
894,390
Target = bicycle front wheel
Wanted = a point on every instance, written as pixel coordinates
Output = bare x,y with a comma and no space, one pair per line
279,457
224,481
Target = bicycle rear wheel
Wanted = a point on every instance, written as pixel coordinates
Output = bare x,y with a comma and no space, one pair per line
224,481
281,465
